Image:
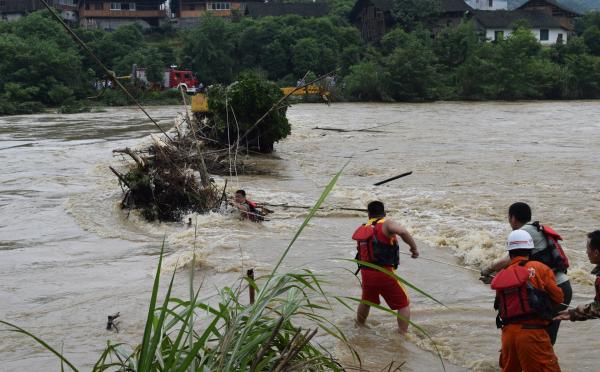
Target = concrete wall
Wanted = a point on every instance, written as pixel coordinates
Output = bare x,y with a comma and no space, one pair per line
552,34
485,4
112,23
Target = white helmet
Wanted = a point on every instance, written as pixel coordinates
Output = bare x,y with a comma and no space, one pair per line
519,239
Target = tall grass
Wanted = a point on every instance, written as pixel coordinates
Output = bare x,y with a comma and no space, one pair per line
262,336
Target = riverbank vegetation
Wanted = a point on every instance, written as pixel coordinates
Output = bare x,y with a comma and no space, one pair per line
42,67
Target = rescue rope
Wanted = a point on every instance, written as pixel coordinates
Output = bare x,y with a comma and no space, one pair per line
466,268
442,262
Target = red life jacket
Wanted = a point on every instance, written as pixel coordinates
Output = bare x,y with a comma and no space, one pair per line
517,299
375,247
553,256
253,213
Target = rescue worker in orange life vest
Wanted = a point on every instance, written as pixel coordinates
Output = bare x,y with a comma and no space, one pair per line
526,295
519,217
248,209
382,250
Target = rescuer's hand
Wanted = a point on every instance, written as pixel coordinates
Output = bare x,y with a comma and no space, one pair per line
486,279
563,315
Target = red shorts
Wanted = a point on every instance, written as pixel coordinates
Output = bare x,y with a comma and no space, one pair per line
375,283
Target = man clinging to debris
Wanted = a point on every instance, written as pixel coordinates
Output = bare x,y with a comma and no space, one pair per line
248,209
377,244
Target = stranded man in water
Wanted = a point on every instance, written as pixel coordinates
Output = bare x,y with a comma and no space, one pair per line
377,244
591,310
247,208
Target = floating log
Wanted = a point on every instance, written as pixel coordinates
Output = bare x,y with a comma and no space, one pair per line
341,130
392,178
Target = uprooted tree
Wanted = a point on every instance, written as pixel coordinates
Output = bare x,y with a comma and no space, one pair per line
171,176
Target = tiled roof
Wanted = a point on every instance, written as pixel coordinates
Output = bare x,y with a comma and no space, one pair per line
556,4
505,18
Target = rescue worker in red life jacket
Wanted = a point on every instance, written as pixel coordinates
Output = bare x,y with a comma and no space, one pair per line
247,208
591,310
519,217
526,294
382,249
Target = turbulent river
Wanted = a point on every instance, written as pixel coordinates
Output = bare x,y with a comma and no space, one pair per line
69,256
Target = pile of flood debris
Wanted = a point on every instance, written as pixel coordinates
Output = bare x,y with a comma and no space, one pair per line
170,176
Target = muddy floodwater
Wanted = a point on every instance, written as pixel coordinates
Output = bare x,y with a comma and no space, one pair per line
69,256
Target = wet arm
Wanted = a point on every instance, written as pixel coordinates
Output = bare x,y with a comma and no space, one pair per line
496,266
585,312
395,228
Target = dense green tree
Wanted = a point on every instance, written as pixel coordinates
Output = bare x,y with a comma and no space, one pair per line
367,81
149,58
588,20
113,46
413,71
453,45
583,79
591,36
209,48
39,63
397,38
410,13
250,97
510,69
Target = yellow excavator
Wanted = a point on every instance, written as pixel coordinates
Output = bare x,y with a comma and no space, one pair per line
200,102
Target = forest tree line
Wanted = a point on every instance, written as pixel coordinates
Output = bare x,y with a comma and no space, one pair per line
41,66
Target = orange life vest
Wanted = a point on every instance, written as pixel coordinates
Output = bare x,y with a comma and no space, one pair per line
517,299
374,246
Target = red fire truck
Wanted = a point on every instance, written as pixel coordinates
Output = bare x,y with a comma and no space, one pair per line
172,78
181,79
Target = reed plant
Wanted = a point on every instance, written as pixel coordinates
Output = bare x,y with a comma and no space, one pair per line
235,336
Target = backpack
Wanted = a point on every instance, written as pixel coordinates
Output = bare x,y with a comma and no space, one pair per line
517,299
553,256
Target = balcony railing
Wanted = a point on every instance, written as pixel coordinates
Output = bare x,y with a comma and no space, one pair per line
122,13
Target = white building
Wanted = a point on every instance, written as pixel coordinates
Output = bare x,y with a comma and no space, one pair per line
501,23
488,4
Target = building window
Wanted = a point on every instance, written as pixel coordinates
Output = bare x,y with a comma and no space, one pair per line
491,3
559,39
544,35
498,35
122,6
219,6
